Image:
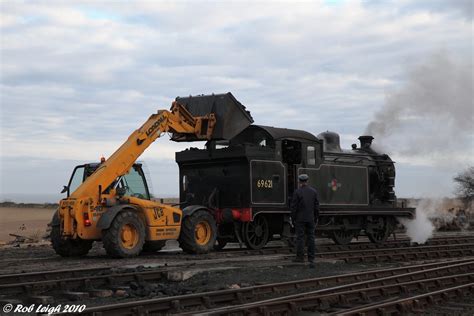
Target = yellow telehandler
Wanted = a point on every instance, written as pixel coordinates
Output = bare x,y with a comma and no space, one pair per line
110,201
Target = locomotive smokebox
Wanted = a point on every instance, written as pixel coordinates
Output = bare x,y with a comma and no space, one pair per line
365,141
231,115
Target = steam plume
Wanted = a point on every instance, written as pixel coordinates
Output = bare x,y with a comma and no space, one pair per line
428,211
433,106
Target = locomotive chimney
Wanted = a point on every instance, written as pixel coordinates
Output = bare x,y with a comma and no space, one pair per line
365,141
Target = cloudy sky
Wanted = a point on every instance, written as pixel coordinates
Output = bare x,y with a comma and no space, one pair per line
77,77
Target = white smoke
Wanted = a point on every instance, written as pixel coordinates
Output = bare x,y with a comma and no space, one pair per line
420,229
431,113
428,212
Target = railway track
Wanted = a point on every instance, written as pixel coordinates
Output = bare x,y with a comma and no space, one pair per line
463,239
234,252
77,279
74,278
327,248
378,253
316,293
401,254
88,283
418,303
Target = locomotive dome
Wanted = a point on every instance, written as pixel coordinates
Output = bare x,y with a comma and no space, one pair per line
331,141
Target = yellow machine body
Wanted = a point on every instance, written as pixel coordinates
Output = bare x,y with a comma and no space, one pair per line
80,213
163,222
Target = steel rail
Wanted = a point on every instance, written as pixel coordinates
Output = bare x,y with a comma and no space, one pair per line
327,302
71,273
90,281
322,248
110,277
48,275
312,295
209,299
410,253
414,303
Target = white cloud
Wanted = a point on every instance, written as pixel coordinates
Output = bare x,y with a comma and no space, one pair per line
78,78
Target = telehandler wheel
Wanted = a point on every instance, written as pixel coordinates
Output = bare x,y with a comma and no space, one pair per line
68,247
125,236
153,246
198,233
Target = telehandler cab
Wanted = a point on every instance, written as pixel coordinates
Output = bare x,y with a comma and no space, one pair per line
110,201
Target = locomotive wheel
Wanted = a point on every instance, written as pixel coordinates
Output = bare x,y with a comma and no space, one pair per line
198,232
343,237
125,236
220,244
68,247
153,246
255,234
380,233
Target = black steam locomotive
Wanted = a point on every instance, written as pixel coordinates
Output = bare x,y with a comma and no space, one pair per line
248,179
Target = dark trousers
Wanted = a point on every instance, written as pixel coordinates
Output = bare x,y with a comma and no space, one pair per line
302,229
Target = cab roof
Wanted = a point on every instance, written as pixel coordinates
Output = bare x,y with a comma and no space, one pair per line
283,133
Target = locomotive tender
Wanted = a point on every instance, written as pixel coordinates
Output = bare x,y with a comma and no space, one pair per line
247,181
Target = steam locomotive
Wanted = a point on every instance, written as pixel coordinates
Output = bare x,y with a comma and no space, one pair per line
247,181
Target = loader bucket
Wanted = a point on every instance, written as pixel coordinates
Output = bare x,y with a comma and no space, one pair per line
231,116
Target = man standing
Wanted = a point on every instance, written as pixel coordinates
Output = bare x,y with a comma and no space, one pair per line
304,214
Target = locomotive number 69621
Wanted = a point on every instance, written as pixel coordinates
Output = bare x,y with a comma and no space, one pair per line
265,184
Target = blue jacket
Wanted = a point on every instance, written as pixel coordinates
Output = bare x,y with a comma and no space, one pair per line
304,204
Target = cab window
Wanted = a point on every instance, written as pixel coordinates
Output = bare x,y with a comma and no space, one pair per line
135,184
311,155
76,179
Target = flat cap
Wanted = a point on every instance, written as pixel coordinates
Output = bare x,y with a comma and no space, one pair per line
303,177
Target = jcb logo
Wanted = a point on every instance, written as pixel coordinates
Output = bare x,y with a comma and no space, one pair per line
158,212
154,126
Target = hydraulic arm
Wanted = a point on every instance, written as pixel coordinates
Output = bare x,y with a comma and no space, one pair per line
92,193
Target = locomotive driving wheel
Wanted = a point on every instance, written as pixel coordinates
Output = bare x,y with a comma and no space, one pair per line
255,234
343,237
381,228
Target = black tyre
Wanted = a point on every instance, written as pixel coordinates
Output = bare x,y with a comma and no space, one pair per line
125,236
68,247
198,233
220,244
153,246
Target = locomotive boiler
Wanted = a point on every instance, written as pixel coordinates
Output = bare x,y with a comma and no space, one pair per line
248,178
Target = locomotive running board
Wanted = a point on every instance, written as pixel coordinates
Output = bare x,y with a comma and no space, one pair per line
393,211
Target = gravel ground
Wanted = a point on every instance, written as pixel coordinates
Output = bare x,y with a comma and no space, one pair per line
242,274
223,273
460,306
41,256
234,273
